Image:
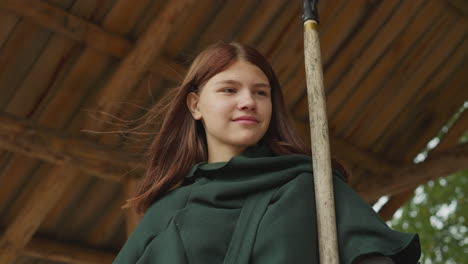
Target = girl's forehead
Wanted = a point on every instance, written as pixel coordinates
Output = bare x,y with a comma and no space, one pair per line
239,72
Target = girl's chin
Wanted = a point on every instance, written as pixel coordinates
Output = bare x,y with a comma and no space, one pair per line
246,141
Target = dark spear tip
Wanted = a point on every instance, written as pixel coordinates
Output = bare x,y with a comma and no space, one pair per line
309,10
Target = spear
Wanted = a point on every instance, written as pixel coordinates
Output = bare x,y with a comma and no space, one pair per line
321,162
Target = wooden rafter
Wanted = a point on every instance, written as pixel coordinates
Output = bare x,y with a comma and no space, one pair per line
25,224
52,145
146,50
55,146
54,17
78,29
136,63
395,201
350,153
450,139
459,6
438,165
62,252
69,25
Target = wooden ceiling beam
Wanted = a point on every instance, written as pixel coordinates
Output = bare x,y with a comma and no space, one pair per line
94,36
69,25
394,202
54,146
347,152
136,63
26,222
51,250
439,165
147,49
450,139
460,7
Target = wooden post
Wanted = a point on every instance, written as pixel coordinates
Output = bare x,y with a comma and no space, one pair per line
321,160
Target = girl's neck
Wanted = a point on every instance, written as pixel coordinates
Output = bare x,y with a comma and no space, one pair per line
223,153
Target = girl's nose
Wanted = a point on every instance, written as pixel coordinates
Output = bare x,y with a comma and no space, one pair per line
247,100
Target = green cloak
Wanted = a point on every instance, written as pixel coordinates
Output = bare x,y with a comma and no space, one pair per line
258,208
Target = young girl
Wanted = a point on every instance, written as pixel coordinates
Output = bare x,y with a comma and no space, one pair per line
229,181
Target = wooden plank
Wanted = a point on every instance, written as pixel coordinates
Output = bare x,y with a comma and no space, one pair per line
48,68
295,85
74,125
443,81
78,82
198,19
418,74
12,252
21,230
343,60
329,11
259,24
83,31
94,204
434,116
439,165
448,140
225,22
17,55
458,129
267,39
57,20
124,17
286,48
168,69
8,21
290,67
459,7
65,208
57,147
353,154
395,201
105,227
402,17
18,161
351,15
366,61
390,74
131,69
56,251
26,260
425,117
13,177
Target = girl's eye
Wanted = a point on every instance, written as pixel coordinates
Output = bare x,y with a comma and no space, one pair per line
228,89
262,93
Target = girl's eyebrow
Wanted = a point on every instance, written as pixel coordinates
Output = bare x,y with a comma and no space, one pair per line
238,83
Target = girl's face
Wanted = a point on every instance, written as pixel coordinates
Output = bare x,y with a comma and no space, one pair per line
240,90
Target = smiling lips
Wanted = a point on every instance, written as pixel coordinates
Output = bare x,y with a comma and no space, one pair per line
246,120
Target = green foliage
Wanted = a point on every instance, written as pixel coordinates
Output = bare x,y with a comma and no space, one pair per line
438,212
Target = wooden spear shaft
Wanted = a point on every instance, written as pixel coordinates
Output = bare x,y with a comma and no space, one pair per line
321,162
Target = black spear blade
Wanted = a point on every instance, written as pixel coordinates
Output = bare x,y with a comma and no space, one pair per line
309,10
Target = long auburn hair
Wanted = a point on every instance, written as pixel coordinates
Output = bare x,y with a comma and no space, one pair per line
181,140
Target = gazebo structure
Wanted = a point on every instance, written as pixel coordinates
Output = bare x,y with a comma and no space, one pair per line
395,72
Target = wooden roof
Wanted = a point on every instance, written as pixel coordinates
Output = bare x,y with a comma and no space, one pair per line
395,72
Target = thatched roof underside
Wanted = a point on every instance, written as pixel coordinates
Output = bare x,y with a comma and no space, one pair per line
395,72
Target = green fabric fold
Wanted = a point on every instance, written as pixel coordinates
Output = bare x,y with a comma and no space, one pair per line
258,208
